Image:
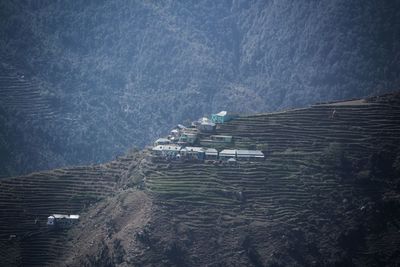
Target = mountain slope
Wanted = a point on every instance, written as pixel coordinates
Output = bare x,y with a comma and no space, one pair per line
327,194
117,74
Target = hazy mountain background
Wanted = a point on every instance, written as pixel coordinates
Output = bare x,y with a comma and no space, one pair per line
83,81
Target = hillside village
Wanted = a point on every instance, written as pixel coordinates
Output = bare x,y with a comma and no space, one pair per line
201,142
326,193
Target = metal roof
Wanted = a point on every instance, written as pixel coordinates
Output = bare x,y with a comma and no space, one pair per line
193,149
162,140
211,151
63,216
222,136
222,113
208,123
204,120
249,153
227,152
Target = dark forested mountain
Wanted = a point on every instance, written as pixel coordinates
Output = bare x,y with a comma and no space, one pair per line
82,81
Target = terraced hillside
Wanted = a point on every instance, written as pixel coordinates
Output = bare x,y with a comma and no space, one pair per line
326,195
23,95
27,201
359,125
27,113
312,202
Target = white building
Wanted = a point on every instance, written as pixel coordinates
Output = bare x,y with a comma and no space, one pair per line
162,141
166,150
251,155
62,221
227,154
211,153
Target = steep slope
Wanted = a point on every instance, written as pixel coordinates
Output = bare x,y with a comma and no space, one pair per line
327,194
28,114
25,203
121,73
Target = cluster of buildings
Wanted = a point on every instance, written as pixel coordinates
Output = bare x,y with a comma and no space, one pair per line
200,142
197,142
